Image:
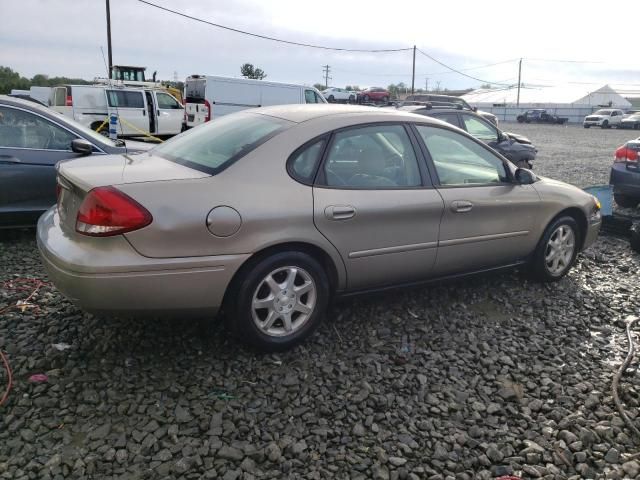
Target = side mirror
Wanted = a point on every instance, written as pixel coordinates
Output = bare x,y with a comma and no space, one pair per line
81,146
525,176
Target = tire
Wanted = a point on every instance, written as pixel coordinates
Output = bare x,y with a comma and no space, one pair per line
634,242
605,124
352,99
587,126
520,119
385,99
565,234
365,98
244,321
331,99
626,201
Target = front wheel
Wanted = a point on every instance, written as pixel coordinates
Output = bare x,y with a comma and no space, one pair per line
365,98
605,124
352,99
557,250
279,301
331,99
385,99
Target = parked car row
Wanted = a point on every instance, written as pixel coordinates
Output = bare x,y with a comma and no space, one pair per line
540,115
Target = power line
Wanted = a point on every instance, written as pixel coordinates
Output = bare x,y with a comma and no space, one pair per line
274,39
404,74
558,61
458,71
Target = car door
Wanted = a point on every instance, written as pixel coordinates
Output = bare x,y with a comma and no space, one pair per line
488,219
170,114
373,202
131,108
30,147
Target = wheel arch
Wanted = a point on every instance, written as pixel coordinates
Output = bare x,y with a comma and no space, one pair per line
579,216
314,251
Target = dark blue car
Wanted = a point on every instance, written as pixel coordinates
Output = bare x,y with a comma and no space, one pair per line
625,175
33,139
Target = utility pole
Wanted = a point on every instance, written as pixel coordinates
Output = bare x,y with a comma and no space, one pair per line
438,86
426,84
109,39
326,69
519,77
413,70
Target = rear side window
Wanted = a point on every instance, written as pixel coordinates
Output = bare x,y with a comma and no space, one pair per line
304,162
215,145
124,99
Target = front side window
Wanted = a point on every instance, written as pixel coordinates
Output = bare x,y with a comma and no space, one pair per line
458,160
379,156
20,129
167,101
311,97
215,145
125,99
480,129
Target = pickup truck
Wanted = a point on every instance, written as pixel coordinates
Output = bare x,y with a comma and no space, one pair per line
604,118
540,115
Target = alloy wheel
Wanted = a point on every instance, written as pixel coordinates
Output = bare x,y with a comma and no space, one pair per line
559,250
283,301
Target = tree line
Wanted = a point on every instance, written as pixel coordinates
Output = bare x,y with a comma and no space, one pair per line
10,80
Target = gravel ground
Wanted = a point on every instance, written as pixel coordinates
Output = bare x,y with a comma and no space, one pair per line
468,380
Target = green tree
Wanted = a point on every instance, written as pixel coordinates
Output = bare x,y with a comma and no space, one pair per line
247,70
40,80
10,80
319,86
355,88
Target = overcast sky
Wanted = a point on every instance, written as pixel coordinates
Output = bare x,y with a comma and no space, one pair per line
63,37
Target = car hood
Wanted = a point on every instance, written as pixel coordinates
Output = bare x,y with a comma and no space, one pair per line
87,173
518,138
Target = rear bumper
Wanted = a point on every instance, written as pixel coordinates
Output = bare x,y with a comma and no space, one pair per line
624,180
106,275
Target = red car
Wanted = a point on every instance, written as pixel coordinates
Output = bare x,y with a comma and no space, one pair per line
374,94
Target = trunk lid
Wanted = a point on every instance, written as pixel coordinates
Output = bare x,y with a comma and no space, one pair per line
79,176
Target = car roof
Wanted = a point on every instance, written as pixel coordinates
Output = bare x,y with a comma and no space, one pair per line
303,113
19,102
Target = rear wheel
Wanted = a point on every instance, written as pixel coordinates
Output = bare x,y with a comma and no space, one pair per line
279,301
557,250
626,201
352,99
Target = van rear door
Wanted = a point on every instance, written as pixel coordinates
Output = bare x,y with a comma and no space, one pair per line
196,107
131,108
59,102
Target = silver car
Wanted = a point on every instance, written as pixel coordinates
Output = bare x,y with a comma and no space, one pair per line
267,214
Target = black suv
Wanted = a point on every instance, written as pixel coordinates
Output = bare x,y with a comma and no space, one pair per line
447,101
516,148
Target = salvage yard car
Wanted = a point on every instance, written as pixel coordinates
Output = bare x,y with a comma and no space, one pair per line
334,94
33,139
630,121
267,214
540,115
437,100
516,148
625,175
604,118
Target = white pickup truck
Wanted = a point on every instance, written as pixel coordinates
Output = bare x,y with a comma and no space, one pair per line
605,118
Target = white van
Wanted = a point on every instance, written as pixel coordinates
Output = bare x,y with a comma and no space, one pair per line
140,110
208,96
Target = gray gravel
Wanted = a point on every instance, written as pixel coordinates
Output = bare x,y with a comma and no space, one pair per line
468,380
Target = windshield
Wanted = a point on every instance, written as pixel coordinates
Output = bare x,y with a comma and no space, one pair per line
215,145
603,112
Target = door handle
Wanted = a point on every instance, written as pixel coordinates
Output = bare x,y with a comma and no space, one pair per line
8,159
158,112
339,212
144,113
461,206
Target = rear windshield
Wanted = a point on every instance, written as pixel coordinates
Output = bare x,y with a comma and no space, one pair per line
214,146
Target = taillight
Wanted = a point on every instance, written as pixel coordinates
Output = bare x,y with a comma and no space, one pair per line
208,114
625,154
69,102
106,211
